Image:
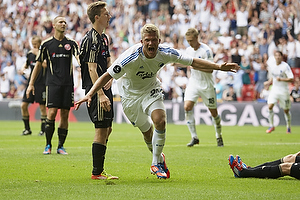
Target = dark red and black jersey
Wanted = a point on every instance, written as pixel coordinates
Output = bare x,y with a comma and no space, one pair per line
93,49
58,55
31,60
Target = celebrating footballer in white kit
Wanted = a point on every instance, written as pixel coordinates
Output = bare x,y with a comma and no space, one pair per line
140,90
141,93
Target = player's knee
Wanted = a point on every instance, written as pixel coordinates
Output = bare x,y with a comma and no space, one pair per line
52,113
188,107
213,112
160,123
24,106
43,108
271,106
64,113
100,135
289,158
286,168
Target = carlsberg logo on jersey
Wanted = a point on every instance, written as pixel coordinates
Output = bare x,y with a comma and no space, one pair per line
144,74
54,55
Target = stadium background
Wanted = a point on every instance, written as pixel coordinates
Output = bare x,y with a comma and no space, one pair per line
201,172
232,114
269,26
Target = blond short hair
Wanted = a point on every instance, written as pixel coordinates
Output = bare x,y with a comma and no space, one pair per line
36,39
192,32
150,28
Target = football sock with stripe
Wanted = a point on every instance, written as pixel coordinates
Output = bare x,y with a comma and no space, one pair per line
288,118
217,125
262,172
272,163
62,135
43,123
190,122
26,122
49,130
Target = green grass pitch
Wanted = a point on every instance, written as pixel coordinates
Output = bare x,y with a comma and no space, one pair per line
200,172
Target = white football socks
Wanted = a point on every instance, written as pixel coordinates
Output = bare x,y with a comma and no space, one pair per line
158,142
217,125
271,117
190,121
288,118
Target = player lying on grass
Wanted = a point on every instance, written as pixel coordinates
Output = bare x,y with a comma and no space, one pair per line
286,166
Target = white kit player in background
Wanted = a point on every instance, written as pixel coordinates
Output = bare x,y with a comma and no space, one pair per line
201,84
140,89
280,75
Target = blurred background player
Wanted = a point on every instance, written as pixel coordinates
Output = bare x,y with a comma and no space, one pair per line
94,60
281,75
295,93
201,84
58,51
40,88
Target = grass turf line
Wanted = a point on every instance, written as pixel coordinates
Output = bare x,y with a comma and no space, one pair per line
200,172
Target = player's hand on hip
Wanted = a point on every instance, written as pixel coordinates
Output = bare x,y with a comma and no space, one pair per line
104,102
30,88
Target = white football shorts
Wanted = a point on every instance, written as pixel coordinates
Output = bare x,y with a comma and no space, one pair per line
208,95
283,99
138,110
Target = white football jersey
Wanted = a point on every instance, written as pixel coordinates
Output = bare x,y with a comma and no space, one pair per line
139,74
203,79
282,70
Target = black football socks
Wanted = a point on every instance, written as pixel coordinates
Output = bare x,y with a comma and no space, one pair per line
49,130
62,135
98,151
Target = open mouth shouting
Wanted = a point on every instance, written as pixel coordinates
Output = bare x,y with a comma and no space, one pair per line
150,42
151,50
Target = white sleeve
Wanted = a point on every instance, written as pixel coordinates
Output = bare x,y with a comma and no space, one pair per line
116,70
289,72
182,58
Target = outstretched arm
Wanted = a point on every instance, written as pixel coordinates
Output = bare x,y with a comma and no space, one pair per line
101,81
200,64
202,69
